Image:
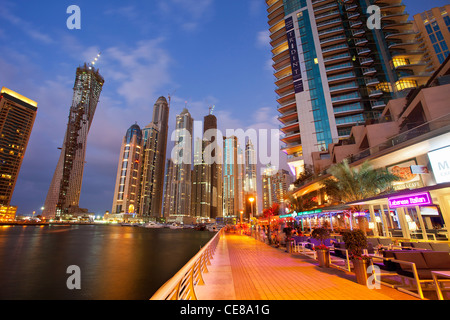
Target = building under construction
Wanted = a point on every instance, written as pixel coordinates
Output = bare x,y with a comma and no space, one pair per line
64,193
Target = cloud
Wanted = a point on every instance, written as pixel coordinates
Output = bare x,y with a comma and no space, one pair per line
263,39
29,29
188,14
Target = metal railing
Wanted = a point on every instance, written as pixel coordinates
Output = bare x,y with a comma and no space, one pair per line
182,285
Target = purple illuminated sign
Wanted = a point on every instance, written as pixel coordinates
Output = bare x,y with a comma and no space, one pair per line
418,199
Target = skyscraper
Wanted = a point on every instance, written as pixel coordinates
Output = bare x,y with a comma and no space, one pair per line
128,172
250,185
178,186
200,196
64,193
275,185
333,71
153,163
215,185
17,115
207,173
433,27
233,195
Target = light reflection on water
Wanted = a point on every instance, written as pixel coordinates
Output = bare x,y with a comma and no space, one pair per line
117,263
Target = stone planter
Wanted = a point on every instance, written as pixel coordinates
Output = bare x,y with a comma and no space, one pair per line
323,256
360,269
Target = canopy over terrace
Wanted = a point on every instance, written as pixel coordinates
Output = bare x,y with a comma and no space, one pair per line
411,215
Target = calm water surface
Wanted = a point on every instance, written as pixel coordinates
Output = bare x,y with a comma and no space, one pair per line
117,263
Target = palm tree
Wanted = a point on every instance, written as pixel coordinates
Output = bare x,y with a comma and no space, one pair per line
269,212
350,184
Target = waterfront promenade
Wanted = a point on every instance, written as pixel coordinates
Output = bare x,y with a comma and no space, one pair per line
247,269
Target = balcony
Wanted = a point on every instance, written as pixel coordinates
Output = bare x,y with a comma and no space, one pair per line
345,87
288,107
346,98
284,80
353,15
337,58
334,49
288,117
363,51
333,40
329,23
365,61
283,63
291,137
339,68
371,81
351,7
375,93
285,89
341,77
380,104
290,126
320,2
360,41
330,32
356,24
369,71
327,15
348,109
358,32
287,97
324,8
283,72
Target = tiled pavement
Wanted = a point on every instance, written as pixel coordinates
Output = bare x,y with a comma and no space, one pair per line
246,269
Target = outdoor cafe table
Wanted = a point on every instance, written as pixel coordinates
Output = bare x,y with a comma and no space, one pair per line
436,274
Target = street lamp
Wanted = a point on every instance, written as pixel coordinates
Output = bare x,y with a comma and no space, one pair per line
251,199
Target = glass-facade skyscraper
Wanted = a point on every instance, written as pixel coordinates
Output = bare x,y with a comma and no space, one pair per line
333,70
153,162
128,172
64,193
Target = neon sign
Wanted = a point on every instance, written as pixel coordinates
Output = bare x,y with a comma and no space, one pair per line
418,199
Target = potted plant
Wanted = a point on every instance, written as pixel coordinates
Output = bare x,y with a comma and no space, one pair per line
356,242
323,252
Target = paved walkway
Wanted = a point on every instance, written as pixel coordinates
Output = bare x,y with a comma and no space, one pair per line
246,269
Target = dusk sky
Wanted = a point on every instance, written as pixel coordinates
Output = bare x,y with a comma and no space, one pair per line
201,52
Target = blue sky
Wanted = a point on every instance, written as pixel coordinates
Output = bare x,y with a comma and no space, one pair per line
202,52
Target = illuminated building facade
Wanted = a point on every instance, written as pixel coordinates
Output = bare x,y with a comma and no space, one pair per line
333,72
250,185
275,186
17,115
233,179
434,35
65,188
178,184
153,163
128,172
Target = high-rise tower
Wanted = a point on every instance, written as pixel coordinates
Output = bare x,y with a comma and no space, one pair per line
17,115
65,188
178,186
128,172
250,185
153,164
233,187
433,28
334,70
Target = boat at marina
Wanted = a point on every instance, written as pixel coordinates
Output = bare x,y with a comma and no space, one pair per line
175,226
153,225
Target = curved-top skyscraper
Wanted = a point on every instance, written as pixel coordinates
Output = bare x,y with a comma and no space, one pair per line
64,193
154,159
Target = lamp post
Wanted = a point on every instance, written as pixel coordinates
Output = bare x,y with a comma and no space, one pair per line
251,199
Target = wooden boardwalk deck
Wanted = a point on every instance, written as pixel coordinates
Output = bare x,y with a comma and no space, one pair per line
246,269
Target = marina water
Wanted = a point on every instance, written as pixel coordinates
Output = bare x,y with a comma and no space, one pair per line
116,262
